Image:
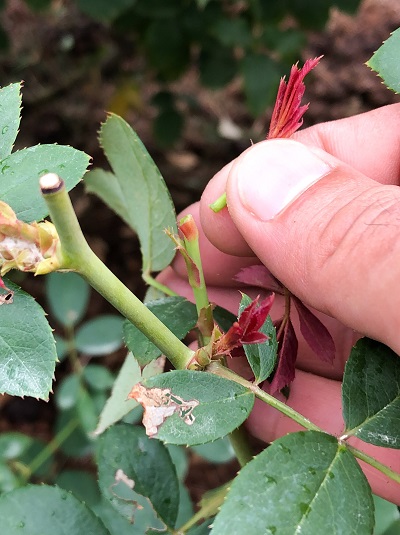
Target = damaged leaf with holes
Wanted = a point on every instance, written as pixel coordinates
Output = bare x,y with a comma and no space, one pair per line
138,477
188,407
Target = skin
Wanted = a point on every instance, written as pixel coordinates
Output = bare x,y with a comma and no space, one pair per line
335,246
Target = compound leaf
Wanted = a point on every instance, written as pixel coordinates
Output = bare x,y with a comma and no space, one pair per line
371,394
302,483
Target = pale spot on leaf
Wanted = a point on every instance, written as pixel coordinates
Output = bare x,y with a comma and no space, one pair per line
121,476
159,404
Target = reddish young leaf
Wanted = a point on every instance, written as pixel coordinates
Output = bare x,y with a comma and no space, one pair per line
259,276
287,116
246,329
288,346
315,333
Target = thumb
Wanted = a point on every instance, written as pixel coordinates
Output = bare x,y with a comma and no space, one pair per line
326,231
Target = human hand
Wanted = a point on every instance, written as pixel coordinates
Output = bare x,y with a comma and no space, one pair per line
324,220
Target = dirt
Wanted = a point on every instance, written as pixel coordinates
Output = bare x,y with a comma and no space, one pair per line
65,96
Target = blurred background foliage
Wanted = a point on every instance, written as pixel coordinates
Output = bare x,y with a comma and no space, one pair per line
159,41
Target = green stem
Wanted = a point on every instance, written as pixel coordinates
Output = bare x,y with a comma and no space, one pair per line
210,504
52,447
222,371
188,228
151,281
76,255
240,445
219,204
373,462
193,250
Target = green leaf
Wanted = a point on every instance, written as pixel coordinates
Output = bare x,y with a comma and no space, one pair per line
261,78
147,205
117,524
67,392
20,173
118,404
10,109
104,10
8,480
86,411
27,348
13,445
100,336
371,394
303,483
177,313
219,451
233,32
224,318
98,377
82,485
168,126
386,514
61,347
146,463
180,459
77,444
106,185
222,406
261,357
386,63
45,510
68,296
167,48
217,65
38,5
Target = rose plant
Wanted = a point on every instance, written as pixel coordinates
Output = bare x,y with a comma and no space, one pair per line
301,483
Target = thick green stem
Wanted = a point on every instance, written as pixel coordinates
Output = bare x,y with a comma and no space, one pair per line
77,256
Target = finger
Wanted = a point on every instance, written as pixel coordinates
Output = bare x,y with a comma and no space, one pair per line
368,142
319,400
326,231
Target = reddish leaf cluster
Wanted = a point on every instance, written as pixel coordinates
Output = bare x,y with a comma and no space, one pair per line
246,330
313,330
287,116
